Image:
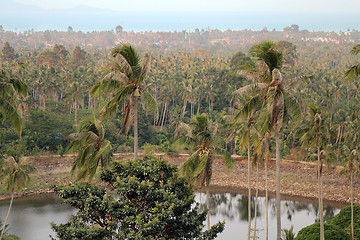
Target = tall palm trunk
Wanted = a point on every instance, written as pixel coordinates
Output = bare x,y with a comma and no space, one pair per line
322,236
278,197
208,207
256,197
266,201
7,216
352,204
249,185
136,140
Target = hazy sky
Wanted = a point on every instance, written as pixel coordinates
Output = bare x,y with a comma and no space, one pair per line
326,6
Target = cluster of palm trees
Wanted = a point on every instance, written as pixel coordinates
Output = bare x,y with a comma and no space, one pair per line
264,107
269,102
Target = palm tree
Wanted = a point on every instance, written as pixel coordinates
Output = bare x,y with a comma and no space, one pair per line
244,121
201,134
274,91
126,83
10,89
288,234
15,175
313,132
354,71
92,148
352,169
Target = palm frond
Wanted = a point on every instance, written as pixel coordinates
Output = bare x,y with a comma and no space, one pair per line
355,50
229,161
148,101
249,89
353,72
9,112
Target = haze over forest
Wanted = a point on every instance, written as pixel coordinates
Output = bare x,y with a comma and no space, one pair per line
85,16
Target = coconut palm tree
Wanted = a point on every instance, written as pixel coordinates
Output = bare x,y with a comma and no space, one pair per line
276,96
313,132
126,82
352,170
201,133
15,176
92,148
10,89
244,122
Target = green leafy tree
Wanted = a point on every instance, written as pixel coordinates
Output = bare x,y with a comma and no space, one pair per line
126,81
201,134
92,147
332,232
344,220
15,176
152,202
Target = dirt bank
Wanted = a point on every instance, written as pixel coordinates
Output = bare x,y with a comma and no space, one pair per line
298,179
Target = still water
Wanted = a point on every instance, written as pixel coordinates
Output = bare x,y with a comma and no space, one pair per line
30,217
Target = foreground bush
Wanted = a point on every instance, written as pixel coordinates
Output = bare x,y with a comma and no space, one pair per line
332,232
343,220
151,203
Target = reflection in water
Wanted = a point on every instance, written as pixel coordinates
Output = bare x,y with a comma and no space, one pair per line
30,217
233,209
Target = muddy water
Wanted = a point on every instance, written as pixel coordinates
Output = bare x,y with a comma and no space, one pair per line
30,217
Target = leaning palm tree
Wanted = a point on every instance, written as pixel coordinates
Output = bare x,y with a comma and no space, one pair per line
15,176
126,82
314,132
201,133
277,99
10,89
93,150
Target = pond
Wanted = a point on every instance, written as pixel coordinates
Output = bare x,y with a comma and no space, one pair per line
30,217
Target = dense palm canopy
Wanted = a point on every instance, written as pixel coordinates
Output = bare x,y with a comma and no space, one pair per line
92,147
10,89
126,82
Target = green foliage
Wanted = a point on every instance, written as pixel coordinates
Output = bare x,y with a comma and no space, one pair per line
6,235
151,203
332,232
343,220
15,173
201,134
288,234
46,130
91,147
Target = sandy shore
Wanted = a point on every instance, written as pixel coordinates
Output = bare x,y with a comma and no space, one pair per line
298,179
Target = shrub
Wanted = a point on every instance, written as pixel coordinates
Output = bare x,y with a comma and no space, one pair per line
332,232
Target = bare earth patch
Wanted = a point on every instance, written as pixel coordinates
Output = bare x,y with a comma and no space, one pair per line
298,179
